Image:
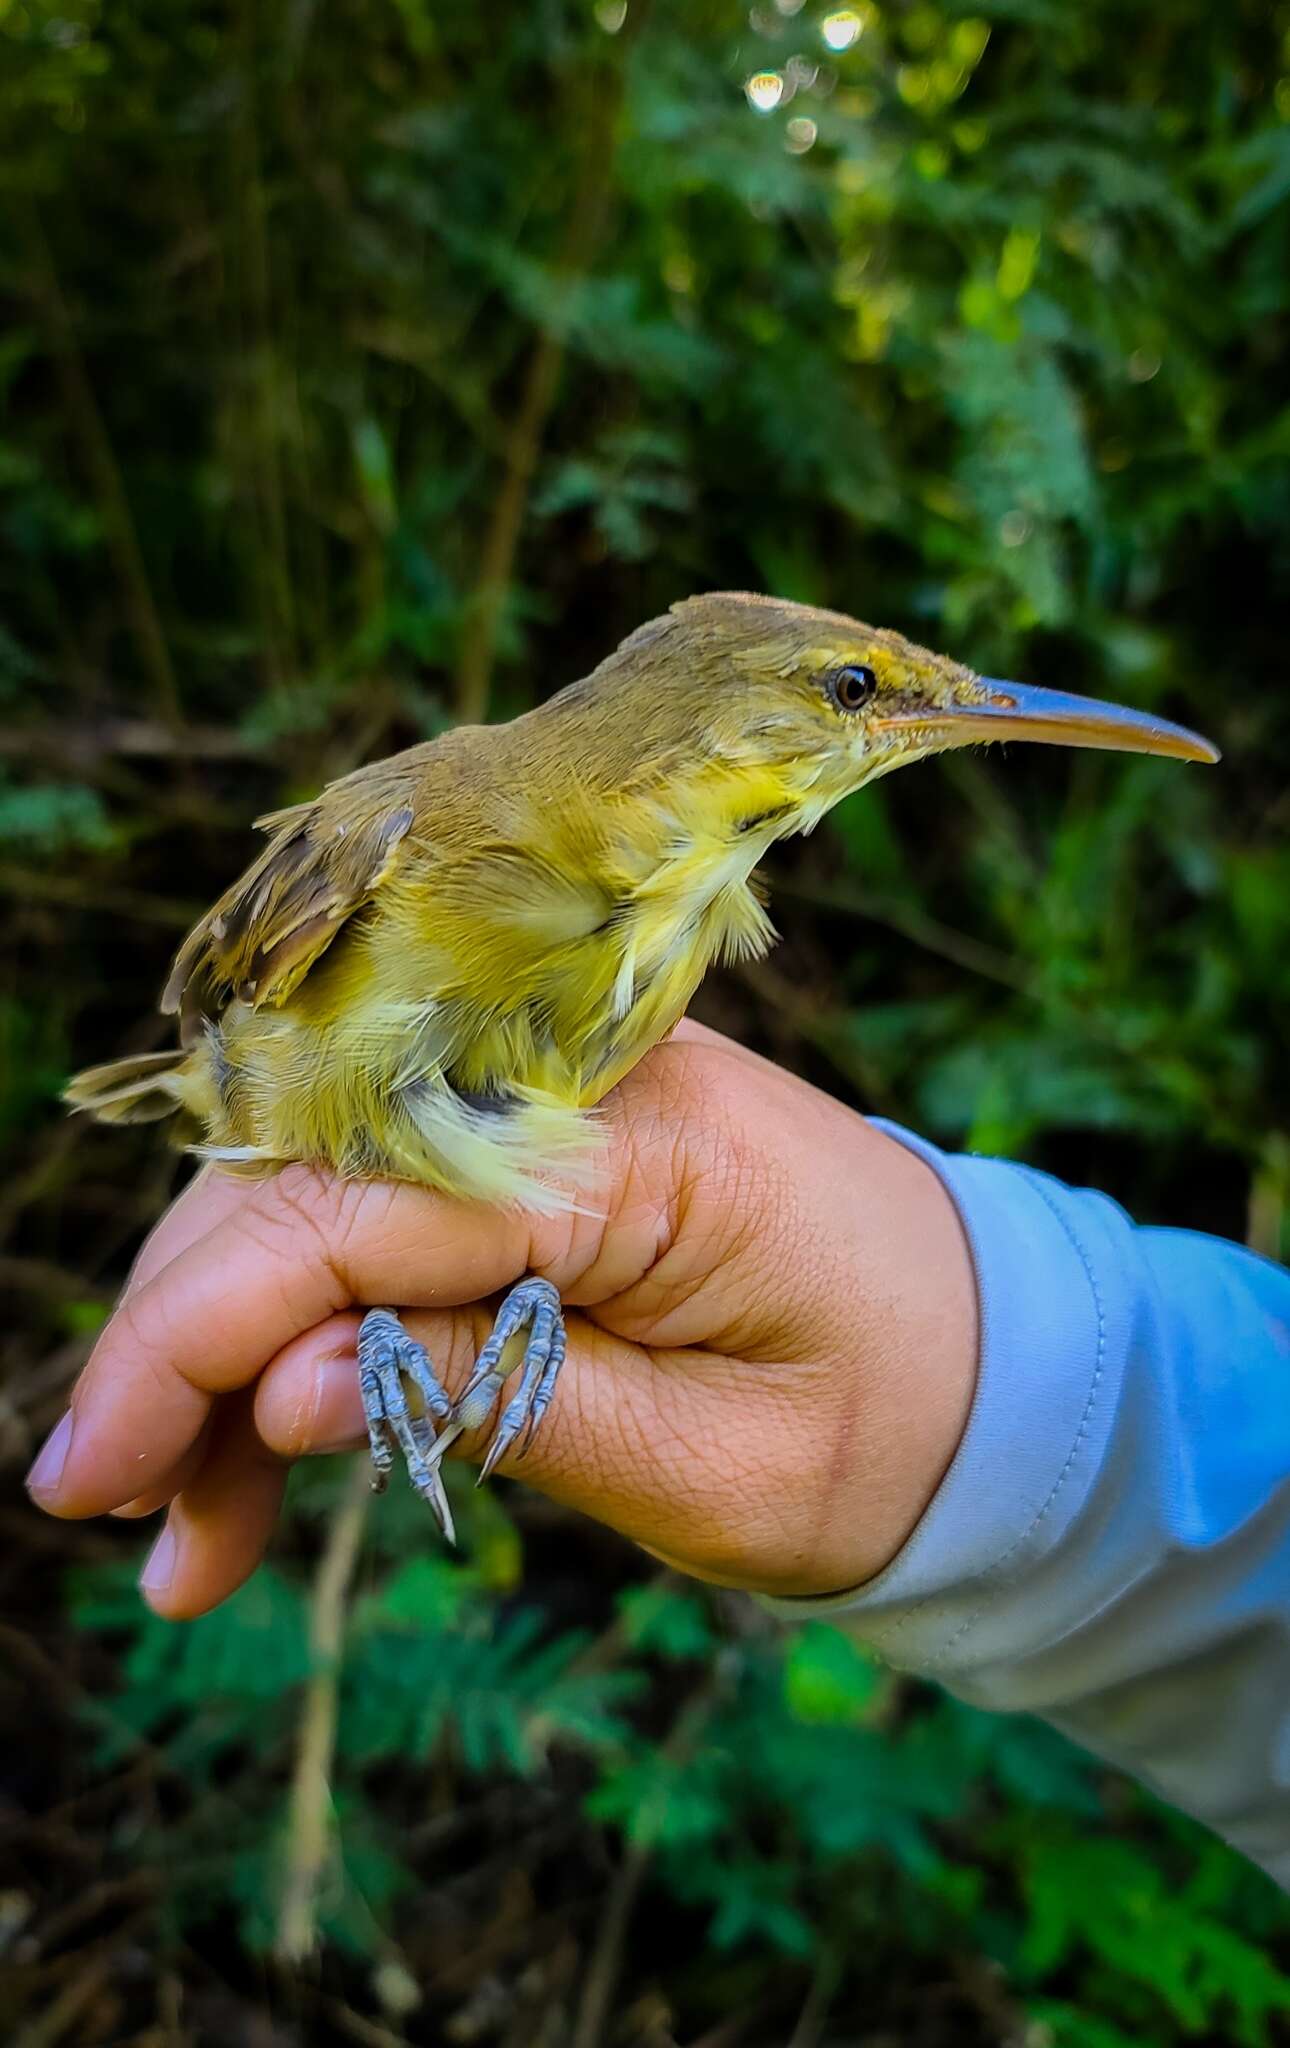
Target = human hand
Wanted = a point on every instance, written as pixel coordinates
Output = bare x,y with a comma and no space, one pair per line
772,1341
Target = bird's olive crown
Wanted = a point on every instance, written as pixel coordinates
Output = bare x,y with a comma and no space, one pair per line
824,660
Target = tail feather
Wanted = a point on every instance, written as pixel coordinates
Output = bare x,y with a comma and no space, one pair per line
139,1090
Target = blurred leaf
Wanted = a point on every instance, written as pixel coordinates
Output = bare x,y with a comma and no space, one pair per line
666,1620
53,817
828,1677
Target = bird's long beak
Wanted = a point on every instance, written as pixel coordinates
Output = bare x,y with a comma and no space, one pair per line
1022,711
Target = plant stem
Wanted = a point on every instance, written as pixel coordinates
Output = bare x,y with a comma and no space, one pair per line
524,441
309,1829
606,1963
255,309
103,472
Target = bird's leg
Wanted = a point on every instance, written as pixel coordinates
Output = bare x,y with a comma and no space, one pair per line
386,1357
528,1336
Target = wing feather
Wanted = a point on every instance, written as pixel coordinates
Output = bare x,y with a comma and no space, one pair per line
325,860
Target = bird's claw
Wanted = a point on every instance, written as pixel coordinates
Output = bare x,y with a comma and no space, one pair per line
532,1306
387,1356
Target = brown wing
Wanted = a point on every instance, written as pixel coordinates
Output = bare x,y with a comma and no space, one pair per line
324,861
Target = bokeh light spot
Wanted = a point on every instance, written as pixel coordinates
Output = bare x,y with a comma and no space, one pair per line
764,91
840,30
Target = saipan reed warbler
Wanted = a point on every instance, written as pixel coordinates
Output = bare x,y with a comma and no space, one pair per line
438,967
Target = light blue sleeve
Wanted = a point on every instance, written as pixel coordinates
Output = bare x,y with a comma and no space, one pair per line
1110,1548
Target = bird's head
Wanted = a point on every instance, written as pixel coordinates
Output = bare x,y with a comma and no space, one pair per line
837,703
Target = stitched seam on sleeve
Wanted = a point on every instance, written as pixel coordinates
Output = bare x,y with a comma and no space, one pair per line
1081,1432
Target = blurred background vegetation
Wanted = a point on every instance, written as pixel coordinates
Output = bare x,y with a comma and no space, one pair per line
366,367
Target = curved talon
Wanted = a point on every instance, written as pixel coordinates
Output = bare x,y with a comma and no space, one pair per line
545,1386
533,1305
386,1356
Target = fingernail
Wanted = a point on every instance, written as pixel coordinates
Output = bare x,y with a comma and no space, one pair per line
160,1568
48,1468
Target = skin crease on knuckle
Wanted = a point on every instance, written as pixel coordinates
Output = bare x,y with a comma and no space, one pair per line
209,1197
306,1216
141,1332
603,1257
665,1235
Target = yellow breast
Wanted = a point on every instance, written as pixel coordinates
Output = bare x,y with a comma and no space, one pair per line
460,1035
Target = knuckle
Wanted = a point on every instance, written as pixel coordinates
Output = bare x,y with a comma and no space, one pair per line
319,1200
568,1242
139,1328
304,1214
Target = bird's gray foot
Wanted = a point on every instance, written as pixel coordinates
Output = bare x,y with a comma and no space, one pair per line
533,1307
387,1358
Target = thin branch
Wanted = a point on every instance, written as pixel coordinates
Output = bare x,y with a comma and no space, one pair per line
86,743
586,226
103,472
606,1963
1269,1187
605,1966
975,955
309,1831
93,1900
44,885
62,2012
815,2007
256,309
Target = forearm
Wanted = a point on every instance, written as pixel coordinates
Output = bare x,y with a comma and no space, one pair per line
1111,1545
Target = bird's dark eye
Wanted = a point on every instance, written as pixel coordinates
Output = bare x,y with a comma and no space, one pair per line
852,688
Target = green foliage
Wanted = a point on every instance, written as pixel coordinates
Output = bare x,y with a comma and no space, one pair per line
1107,1899
797,1801
662,1619
980,331
52,818
827,1677
502,1690
214,1687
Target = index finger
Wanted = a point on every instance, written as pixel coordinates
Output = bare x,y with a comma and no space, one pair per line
209,1196
296,1250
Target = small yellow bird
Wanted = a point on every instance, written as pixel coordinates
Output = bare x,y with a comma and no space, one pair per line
438,966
